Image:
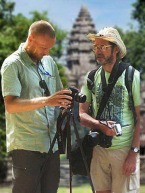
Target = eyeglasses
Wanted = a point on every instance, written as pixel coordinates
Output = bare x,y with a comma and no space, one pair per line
43,85
101,48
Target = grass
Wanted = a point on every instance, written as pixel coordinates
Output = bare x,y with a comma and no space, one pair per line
83,189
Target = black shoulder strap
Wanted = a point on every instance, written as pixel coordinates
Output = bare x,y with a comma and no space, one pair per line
121,67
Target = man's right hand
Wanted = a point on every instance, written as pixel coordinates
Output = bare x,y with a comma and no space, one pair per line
106,128
61,98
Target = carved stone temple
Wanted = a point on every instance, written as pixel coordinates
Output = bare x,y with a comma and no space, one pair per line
79,56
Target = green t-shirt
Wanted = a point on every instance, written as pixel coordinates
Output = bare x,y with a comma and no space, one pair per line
35,129
117,108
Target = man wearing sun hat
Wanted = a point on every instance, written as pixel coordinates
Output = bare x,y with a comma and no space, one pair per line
114,169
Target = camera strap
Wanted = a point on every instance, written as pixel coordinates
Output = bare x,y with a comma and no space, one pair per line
63,128
107,88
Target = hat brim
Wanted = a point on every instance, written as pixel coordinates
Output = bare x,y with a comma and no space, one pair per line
94,37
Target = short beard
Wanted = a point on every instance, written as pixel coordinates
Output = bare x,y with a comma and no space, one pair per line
32,54
107,61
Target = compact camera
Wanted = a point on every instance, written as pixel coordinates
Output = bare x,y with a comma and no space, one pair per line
77,96
118,129
93,137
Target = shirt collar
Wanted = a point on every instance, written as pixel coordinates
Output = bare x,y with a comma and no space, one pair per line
24,55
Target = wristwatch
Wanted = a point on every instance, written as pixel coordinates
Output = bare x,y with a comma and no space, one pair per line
135,149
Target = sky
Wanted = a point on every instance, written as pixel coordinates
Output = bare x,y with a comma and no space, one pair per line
64,12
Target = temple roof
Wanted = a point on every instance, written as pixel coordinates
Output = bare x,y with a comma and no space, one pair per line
79,54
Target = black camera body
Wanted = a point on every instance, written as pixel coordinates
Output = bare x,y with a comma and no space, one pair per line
77,96
99,138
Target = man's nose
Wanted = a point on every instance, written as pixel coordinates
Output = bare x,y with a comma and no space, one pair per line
98,50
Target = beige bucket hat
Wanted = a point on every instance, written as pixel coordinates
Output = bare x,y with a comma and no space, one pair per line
112,35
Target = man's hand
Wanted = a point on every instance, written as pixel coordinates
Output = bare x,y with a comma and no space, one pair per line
107,128
61,98
129,165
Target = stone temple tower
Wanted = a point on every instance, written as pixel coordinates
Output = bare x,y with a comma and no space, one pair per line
79,56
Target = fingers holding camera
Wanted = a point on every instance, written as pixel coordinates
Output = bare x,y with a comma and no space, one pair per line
61,98
110,132
107,128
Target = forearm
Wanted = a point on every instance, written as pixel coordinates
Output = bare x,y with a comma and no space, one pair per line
22,105
90,122
136,136
87,121
94,124
15,104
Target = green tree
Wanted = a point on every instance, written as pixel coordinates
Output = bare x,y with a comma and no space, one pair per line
135,42
137,39
139,13
6,9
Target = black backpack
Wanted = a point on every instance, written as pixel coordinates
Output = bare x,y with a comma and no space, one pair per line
128,83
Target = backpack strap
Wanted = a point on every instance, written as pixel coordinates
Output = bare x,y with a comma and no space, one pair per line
128,83
129,79
90,79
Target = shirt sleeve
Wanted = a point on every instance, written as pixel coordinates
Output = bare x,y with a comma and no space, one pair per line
136,88
86,91
10,81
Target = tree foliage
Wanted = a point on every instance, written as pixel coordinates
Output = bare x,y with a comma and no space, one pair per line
139,13
136,50
135,40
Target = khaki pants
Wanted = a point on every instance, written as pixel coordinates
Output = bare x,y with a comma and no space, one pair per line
106,171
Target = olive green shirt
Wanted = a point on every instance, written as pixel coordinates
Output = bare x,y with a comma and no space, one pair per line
33,130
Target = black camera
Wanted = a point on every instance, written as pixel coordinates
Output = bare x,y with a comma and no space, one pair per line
77,96
94,137
99,138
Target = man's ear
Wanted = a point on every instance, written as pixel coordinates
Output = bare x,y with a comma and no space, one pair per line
117,49
30,38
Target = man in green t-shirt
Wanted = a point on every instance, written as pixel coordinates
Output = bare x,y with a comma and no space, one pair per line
114,169
32,88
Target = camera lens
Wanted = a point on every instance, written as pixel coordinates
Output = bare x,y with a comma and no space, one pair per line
77,96
80,98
